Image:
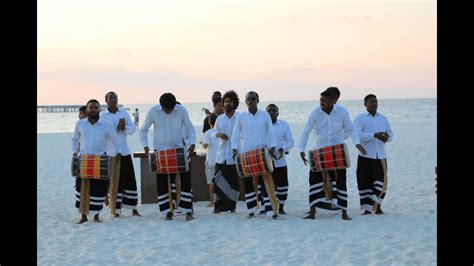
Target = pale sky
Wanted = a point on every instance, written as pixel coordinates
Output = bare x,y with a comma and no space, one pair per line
284,50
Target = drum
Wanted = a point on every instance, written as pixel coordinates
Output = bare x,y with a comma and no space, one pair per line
329,158
169,161
92,166
254,163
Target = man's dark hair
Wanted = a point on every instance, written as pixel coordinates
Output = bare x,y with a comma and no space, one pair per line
92,101
212,118
366,98
108,93
232,95
272,105
256,94
216,94
83,108
168,101
216,100
334,91
329,94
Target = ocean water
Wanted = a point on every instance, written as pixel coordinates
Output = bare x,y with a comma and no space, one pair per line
292,112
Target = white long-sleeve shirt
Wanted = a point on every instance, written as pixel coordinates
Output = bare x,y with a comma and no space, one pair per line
225,125
284,139
330,129
255,131
113,118
168,128
94,138
366,126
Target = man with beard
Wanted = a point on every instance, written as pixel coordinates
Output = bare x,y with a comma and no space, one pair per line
254,127
226,180
93,134
332,125
127,195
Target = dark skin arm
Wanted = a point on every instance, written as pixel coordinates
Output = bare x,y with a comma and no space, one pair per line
191,150
121,124
361,149
381,136
303,157
222,136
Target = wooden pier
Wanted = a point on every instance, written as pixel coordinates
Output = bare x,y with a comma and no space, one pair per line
65,108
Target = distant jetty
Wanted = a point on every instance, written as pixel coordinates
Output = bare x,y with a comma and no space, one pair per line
65,108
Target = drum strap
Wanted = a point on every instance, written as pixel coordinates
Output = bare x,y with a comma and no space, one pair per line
327,186
170,198
85,196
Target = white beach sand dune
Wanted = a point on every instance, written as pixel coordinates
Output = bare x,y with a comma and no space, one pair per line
405,234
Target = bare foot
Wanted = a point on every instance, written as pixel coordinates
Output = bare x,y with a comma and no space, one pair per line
83,219
96,218
345,216
379,210
189,216
281,210
136,213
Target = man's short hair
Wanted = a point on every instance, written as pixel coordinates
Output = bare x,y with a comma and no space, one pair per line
216,100
272,105
83,108
212,118
168,101
92,101
334,91
366,98
108,93
216,94
256,94
232,95
329,94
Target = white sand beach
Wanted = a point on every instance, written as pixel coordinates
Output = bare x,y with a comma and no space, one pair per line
405,234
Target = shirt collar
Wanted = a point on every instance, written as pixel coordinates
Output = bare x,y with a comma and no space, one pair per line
334,108
106,111
367,113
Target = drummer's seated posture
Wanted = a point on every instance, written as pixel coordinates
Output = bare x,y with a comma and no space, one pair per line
254,127
169,120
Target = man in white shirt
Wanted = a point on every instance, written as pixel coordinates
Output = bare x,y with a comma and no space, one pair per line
285,143
227,182
127,195
93,134
210,143
374,131
254,127
168,120
332,125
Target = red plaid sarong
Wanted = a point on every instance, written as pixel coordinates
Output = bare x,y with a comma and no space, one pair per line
254,163
91,166
329,158
169,161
